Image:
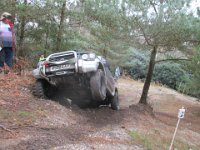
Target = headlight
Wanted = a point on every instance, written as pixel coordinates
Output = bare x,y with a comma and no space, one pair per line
92,56
85,56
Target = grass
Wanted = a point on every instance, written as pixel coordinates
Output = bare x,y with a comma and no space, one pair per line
24,114
16,117
154,141
196,113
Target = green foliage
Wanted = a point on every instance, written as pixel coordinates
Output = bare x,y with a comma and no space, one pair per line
171,74
155,141
193,86
17,116
168,73
91,25
137,64
107,28
144,140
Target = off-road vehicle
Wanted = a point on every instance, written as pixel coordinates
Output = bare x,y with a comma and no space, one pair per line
83,77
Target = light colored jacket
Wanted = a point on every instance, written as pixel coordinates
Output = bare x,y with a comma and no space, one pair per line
6,34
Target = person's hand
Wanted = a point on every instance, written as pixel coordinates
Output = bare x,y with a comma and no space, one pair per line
1,46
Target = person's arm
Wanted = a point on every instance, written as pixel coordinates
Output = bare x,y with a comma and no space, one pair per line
1,43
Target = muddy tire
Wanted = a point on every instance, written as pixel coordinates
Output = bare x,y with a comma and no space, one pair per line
115,101
42,89
98,85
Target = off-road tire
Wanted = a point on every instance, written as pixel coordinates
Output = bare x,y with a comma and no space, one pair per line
98,85
38,90
42,89
115,101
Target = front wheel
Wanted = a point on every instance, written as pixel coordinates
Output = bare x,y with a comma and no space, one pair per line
43,89
38,89
115,101
98,85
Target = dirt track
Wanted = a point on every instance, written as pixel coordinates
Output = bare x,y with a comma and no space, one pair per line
31,123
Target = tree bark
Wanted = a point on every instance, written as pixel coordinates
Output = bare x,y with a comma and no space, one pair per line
47,37
22,33
13,12
173,59
61,26
147,83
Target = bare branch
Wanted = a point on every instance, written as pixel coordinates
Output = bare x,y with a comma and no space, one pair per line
4,128
144,34
154,7
173,59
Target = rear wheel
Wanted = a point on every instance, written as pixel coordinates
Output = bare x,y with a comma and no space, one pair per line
98,85
115,101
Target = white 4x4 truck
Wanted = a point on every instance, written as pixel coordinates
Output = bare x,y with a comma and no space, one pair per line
83,77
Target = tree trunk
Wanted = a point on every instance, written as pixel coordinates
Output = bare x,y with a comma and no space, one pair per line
61,26
13,12
22,33
47,37
147,83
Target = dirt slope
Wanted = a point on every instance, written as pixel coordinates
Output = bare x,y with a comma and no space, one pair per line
30,123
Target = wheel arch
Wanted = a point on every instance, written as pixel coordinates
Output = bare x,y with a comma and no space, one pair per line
101,66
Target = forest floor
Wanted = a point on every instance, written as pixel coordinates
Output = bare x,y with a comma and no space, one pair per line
28,123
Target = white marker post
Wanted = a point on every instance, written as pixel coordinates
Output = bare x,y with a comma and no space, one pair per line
181,114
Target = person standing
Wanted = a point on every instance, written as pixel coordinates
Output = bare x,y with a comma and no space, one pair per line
117,73
7,41
42,58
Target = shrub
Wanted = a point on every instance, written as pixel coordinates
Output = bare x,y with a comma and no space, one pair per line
167,73
170,74
136,64
193,86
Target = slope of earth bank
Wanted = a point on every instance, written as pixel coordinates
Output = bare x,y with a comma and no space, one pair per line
30,123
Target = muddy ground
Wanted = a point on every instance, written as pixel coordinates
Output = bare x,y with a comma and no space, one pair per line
28,123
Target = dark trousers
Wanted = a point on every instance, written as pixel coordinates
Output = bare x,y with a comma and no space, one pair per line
6,56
